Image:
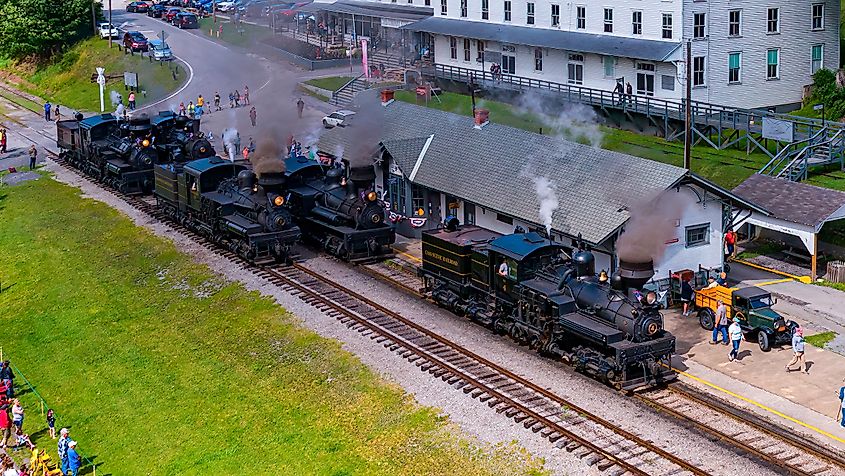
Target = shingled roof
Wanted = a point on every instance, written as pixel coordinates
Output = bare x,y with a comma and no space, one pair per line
494,167
795,202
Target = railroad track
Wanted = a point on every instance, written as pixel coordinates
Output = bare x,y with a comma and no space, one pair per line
395,274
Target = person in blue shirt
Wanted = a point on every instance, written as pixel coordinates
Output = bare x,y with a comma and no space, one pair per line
74,461
47,107
841,415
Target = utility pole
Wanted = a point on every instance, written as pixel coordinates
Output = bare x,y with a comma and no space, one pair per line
93,18
688,110
110,25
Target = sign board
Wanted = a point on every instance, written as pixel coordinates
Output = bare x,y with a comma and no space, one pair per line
394,169
493,57
818,107
778,129
394,23
130,79
101,79
162,36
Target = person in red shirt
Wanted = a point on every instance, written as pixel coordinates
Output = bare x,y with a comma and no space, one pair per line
730,244
5,423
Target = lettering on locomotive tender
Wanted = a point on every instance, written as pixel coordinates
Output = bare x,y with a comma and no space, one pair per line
441,258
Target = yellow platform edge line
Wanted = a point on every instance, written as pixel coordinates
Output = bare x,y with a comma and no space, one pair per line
760,405
776,281
803,279
412,257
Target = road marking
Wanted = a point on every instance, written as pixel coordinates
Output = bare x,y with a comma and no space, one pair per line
760,405
776,281
187,83
412,257
803,279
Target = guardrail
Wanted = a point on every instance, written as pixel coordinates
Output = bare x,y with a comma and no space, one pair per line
349,85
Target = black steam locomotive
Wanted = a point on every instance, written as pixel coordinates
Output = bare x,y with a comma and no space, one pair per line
525,286
227,203
341,214
122,153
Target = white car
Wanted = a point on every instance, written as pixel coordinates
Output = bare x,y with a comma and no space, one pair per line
105,32
227,6
338,118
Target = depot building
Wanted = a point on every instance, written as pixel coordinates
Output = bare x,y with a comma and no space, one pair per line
434,164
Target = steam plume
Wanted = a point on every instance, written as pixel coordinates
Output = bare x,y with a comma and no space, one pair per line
267,157
652,223
548,200
362,138
115,98
231,142
575,122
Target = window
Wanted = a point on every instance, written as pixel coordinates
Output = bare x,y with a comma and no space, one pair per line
529,13
637,23
699,20
463,8
467,51
667,26
396,192
575,69
735,23
507,10
453,47
504,219
697,71
509,64
773,64
609,66
818,16
816,58
443,7
480,57
556,15
697,235
734,68
580,18
417,201
485,9
667,82
428,3
773,22
608,20
538,59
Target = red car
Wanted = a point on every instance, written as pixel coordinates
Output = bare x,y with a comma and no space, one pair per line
170,14
135,41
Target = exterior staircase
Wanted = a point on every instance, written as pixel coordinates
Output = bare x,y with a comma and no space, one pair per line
344,96
794,161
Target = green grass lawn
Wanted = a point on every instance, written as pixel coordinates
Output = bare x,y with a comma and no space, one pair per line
67,79
727,168
160,367
820,340
332,83
249,35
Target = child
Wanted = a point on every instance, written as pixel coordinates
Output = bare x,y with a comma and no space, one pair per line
51,423
22,439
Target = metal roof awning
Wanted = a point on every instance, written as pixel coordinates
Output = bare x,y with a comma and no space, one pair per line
608,45
371,9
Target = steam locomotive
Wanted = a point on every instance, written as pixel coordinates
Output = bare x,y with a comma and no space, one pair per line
344,216
227,203
122,153
527,287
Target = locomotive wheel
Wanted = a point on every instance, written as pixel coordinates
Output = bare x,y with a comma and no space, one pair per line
706,319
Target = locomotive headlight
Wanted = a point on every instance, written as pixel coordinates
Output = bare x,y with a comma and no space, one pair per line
652,328
145,143
651,297
148,160
279,201
371,196
376,218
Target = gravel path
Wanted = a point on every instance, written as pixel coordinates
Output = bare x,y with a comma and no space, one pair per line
474,418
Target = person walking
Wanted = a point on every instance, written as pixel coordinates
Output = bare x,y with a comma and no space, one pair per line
620,91
730,244
74,461
686,295
237,98
797,351
33,156
253,115
231,100
64,440
246,95
131,100
736,336
51,423
841,415
216,101
3,139
720,323
200,105
629,91
47,107
57,113
300,106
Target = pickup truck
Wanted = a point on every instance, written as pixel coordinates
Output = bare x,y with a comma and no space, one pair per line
106,32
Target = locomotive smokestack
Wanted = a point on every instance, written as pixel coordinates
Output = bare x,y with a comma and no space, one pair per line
362,177
635,274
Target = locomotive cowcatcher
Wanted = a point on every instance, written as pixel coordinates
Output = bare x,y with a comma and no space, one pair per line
527,287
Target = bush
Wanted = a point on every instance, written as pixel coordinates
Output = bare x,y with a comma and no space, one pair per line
825,91
37,28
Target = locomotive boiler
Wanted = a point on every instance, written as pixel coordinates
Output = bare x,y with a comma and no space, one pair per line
527,287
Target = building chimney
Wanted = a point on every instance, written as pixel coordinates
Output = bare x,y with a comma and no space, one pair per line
481,118
387,96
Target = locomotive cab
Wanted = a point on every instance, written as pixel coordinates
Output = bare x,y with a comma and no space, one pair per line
516,258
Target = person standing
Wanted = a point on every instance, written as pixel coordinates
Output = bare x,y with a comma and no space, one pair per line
253,115
686,295
841,415
237,98
231,100
64,439
74,461
620,91
3,141
216,101
47,107
797,351
131,100
5,424
720,324
200,105
57,113
629,91
17,414
33,156
181,108
736,336
730,244
7,376
246,95
300,106
51,423
245,153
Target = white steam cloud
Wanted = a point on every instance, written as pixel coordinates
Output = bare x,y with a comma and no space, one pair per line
232,142
548,200
575,122
115,98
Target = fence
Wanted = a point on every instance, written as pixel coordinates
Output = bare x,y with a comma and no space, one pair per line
44,407
836,271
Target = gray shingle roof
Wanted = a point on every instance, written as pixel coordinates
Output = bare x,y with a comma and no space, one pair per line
374,9
653,50
794,202
493,167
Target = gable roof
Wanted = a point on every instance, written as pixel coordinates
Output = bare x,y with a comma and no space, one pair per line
794,202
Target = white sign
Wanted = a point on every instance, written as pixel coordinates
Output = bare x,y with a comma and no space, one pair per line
130,79
394,23
101,80
394,169
818,107
778,129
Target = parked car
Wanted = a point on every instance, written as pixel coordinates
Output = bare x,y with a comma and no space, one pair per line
156,11
170,14
106,32
160,51
137,7
186,20
338,119
135,40
228,6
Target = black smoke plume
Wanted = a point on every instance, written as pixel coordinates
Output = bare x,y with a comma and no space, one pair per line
651,225
268,157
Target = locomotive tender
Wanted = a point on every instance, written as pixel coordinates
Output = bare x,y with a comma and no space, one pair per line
227,203
525,286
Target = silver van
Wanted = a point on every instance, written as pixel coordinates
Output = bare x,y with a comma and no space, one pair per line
160,50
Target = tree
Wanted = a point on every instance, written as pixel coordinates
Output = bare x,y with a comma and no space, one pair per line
43,27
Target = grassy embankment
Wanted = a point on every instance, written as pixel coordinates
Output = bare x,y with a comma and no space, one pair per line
248,34
332,83
66,79
820,340
161,367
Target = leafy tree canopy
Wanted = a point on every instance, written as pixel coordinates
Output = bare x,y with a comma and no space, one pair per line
43,27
